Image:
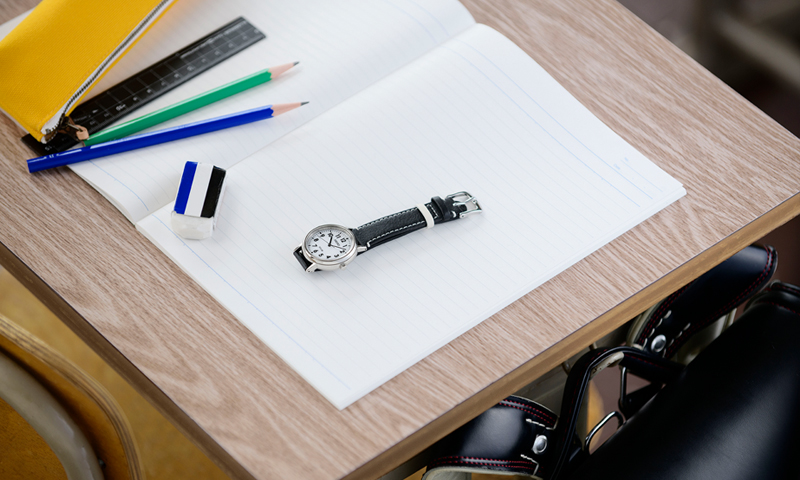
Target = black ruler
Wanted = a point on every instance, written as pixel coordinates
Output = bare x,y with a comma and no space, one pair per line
140,89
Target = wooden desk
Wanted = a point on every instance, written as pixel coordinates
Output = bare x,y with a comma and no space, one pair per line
258,419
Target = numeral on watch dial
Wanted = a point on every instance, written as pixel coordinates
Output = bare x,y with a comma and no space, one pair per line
329,244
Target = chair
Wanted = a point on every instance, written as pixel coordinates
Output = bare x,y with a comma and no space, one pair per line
33,376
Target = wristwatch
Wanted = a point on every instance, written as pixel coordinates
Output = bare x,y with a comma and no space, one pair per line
331,247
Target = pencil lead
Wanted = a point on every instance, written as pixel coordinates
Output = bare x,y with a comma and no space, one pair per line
281,108
281,69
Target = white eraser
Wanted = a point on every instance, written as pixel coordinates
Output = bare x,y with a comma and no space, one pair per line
199,198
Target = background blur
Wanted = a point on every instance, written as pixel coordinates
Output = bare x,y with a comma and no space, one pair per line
752,45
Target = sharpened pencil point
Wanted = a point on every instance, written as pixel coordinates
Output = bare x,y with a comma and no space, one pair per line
281,69
282,108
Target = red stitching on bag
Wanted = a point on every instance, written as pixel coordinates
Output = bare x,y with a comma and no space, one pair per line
543,412
668,353
484,458
528,412
518,467
669,301
781,306
524,464
786,286
528,409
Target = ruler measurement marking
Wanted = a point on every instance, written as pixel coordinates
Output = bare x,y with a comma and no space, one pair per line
150,83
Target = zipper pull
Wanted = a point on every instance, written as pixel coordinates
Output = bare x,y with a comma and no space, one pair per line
73,130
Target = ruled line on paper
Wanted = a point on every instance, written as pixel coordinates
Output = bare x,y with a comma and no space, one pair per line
456,121
343,48
262,313
567,130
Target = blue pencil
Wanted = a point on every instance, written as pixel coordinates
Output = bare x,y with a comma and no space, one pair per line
159,136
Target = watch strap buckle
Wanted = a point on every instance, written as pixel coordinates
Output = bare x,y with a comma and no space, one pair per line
466,200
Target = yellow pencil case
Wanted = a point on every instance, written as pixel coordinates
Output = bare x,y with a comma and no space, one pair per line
51,60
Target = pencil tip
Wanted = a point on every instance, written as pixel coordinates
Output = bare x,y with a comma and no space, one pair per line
303,103
281,69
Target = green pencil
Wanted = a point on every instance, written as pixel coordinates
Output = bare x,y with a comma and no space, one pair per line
186,106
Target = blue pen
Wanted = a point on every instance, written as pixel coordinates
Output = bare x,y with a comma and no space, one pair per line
159,136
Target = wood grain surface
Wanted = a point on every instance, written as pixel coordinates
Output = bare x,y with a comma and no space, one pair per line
257,418
165,453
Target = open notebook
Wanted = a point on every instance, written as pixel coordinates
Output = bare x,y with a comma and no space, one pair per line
409,100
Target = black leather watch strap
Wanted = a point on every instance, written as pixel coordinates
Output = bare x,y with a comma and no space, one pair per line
398,224
298,254
372,234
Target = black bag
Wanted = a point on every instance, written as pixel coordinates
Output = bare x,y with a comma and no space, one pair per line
682,428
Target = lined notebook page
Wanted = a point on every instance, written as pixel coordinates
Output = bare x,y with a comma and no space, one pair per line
343,47
476,114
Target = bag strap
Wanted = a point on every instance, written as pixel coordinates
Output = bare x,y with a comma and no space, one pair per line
666,327
568,447
512,437
521,437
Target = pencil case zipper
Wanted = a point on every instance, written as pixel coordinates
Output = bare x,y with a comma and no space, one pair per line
61,122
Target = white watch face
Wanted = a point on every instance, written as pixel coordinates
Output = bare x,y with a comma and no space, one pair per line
329,243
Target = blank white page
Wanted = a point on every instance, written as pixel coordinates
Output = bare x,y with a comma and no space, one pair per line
476,114
343,47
